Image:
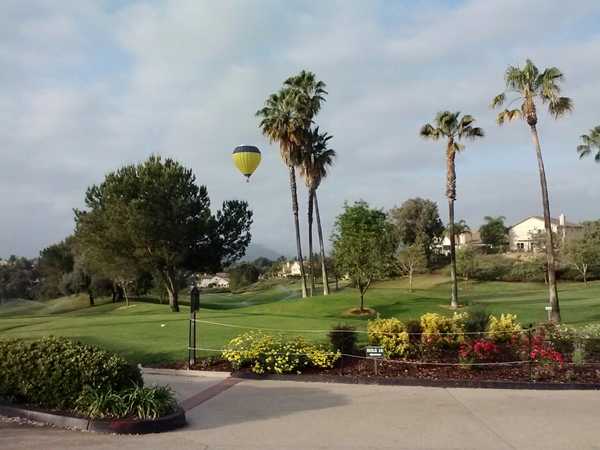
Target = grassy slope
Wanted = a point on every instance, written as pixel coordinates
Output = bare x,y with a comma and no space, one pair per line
148,332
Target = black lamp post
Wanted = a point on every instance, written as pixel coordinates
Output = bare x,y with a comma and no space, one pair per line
194,306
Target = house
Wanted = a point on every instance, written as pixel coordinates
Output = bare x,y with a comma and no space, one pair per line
467,238
524,236
289,269
219,280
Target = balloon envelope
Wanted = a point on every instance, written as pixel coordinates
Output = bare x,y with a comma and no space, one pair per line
246,158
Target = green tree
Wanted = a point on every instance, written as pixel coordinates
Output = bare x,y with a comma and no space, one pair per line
453,129
583,251
461,227
54,262
363,245
18,279
590,143
286,118
153,217
412,260
494,233
528,85
314,169
418,220
242,275
466,261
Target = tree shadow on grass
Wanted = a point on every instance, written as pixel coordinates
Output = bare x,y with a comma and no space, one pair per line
247,402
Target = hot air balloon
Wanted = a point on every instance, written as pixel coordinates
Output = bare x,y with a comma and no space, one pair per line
246,158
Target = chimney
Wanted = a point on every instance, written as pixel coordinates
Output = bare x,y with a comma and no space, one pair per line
561,220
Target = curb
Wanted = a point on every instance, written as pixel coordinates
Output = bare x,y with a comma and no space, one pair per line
185,372
118,426
421,382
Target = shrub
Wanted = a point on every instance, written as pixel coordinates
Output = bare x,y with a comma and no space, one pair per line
590,337
478,351
477,320
561,337
578,357
391,334
414,330
544,353
343,338
503,328
138,401
52,372
443,331
264,353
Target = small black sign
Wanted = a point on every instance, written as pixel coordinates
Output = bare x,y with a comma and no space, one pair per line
374,351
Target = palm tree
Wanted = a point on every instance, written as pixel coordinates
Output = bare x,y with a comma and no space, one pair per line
448,126
309,93
281,123
461,227
314,170
528,85
591,142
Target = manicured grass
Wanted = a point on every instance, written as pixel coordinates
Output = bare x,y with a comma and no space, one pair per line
148,332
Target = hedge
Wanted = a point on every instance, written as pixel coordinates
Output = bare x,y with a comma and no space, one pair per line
52,372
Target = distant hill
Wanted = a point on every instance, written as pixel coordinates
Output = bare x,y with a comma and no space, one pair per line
258,250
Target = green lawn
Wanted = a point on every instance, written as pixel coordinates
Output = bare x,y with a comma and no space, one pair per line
148,332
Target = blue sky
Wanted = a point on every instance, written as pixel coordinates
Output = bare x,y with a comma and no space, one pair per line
88,86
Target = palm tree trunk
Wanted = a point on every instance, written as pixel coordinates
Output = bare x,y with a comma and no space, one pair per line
454,300
451,194
311,268
552,289
322,247
293,189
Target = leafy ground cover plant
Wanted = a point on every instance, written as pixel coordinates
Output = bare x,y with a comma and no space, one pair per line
264,353
138,401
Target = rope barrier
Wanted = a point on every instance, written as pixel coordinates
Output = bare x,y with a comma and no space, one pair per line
280,330
414,363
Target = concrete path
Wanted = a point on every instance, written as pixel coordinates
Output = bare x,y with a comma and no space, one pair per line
290,415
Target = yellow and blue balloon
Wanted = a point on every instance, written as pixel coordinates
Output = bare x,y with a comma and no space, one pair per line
246,158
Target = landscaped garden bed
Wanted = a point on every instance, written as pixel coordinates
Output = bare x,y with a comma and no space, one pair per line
474,349
66,383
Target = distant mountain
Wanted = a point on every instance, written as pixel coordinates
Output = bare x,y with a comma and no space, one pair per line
258,250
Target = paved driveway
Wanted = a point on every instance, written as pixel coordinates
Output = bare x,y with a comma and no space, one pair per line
291,415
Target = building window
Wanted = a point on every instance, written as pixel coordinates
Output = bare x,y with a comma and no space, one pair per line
520,246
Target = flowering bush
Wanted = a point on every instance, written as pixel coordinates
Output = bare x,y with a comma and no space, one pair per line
548,359
442,330
590,337
478,351
561,337
503,328
391,334
264,353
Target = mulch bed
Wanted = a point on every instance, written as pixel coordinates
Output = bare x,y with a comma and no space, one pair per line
358,368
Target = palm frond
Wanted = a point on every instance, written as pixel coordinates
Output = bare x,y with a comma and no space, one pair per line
498,100
560,106
508,116
583,150
428,131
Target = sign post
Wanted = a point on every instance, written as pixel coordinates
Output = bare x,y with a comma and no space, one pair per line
549,311
374,352
194,306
